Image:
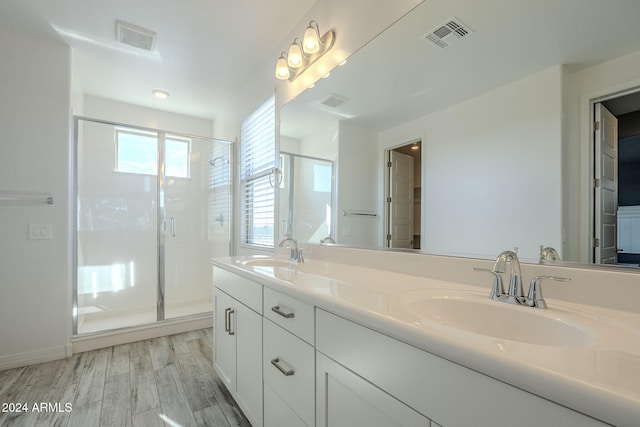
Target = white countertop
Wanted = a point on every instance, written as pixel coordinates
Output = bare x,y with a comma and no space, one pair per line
600,378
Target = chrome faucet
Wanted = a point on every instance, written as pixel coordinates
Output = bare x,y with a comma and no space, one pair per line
515,294
548,254
296,254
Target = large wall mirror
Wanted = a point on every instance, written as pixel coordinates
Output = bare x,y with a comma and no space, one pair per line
499,96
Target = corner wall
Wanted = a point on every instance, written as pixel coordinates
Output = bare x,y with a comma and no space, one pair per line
35,275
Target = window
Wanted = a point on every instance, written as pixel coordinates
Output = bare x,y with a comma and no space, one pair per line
257,166
137,152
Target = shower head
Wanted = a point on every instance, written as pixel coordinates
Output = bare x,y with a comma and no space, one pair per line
212,162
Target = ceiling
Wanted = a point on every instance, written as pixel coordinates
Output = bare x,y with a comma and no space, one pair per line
205,49
398,76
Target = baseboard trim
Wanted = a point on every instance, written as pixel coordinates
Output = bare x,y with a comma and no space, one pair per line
82,343
32,357
95,341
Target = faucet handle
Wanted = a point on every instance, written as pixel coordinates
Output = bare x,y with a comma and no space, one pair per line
497,289
534,297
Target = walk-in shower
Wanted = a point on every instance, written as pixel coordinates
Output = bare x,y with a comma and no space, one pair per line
152,208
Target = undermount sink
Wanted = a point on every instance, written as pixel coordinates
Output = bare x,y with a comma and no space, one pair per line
500,320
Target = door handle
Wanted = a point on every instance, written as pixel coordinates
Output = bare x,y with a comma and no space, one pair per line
227,320
231,331
173,226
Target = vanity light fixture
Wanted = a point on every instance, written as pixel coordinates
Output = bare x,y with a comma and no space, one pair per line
294,58
161,94
303,53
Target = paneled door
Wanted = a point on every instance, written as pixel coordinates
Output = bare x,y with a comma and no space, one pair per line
606,186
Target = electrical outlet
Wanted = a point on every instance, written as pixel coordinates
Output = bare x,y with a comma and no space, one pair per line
40,231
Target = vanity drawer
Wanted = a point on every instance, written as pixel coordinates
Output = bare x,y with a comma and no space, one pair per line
294,315
289,370
244,290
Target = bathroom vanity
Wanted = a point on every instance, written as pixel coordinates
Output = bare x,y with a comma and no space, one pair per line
334,341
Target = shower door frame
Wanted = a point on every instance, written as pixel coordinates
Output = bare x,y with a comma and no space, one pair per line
291,172
161,212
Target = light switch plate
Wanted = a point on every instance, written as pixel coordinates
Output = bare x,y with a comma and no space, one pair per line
40,231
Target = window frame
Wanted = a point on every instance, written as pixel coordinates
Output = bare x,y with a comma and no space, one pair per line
156,137
257,167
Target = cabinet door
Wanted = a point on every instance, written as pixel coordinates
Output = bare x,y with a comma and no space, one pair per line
277,413
248,333
224,349
346,399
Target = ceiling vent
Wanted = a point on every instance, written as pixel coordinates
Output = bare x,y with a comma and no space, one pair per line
135,36
332,101
452,30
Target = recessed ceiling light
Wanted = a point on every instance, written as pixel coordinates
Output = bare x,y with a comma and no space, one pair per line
160,93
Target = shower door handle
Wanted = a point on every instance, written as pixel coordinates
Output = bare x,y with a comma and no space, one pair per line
173,226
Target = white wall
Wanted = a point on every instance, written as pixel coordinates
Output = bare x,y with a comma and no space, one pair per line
491,165
35,275
120,112
357,187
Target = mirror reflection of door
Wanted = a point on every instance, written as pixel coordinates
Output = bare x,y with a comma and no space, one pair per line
617,201
606,185
402,196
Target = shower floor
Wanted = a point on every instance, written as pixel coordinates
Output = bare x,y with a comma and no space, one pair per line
94,319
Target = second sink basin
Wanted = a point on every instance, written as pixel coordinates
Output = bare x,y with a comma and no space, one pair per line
478,315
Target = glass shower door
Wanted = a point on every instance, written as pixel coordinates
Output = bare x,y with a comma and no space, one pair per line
152,209
117,263
197,192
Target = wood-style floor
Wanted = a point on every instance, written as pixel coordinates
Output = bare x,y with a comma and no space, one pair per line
167,381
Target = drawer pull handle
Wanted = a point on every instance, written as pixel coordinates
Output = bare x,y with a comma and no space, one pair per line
286,315
286,372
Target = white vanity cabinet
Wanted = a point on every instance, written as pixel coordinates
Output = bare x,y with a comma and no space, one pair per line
237,340
345,399
366,368
289,361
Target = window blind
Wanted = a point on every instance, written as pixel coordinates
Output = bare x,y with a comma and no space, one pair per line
257,161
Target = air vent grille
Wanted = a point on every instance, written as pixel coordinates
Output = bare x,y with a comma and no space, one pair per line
135,36
332,101
452,30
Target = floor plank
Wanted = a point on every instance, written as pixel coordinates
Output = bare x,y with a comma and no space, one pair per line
175,406
148,383
116,405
